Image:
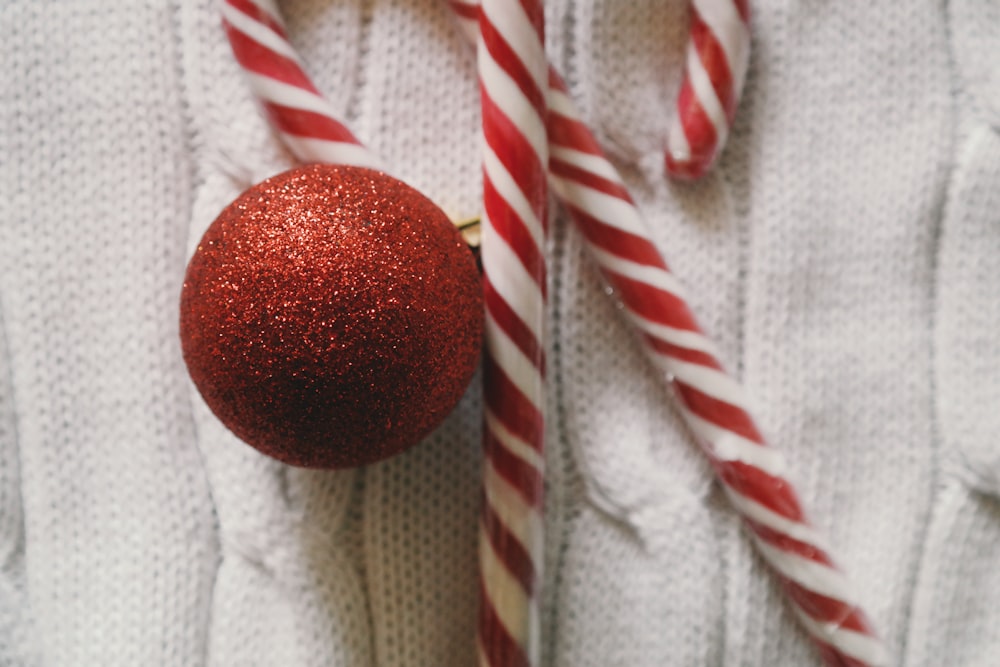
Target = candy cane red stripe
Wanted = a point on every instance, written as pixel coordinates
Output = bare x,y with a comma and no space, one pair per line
516,472
718,411
743,7
519,473
566,132
692,159
769,491
790,544
512,282
650,303
515,410
522,518
501,51
511,324
254,12
516,559
522,373
588,179
308,124
614,240
515,232
257,58
469,12
680,352
824,609
846,647
513,149
497,647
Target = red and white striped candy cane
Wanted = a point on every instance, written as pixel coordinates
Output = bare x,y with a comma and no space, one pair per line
712,403
718,50
513,78
306,121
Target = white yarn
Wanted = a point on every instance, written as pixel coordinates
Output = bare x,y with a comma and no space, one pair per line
842,255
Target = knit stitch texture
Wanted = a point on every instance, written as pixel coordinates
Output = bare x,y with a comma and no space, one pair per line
843,254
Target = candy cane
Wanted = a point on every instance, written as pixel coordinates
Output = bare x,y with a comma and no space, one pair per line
513,84
306,121
717,54
513,230
714,405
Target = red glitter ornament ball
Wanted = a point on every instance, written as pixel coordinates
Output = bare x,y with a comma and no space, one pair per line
331,316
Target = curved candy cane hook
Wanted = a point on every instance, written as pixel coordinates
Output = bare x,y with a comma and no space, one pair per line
718,50
306,121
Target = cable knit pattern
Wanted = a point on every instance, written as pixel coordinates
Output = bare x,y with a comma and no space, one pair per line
954,611
119,545
290,589
842,254
839,285
16,632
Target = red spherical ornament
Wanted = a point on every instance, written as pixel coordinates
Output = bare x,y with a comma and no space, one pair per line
331,316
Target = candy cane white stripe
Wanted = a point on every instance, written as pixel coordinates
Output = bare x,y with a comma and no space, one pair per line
514,444
511,101
728,446
560,103
585,161
809,574
727,25
709,381
258,32
269,8
679,147
511,193
503,590
288,95
612,211
511,279
520,35
337,152
520,369
521,520
685,338
757,513
644,273
701,82
856,645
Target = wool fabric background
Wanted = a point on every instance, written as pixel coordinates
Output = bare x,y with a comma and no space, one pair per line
845,254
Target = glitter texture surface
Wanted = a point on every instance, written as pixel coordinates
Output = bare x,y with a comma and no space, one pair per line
331,316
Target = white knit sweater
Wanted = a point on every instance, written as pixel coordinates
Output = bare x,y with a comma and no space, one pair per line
845,254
